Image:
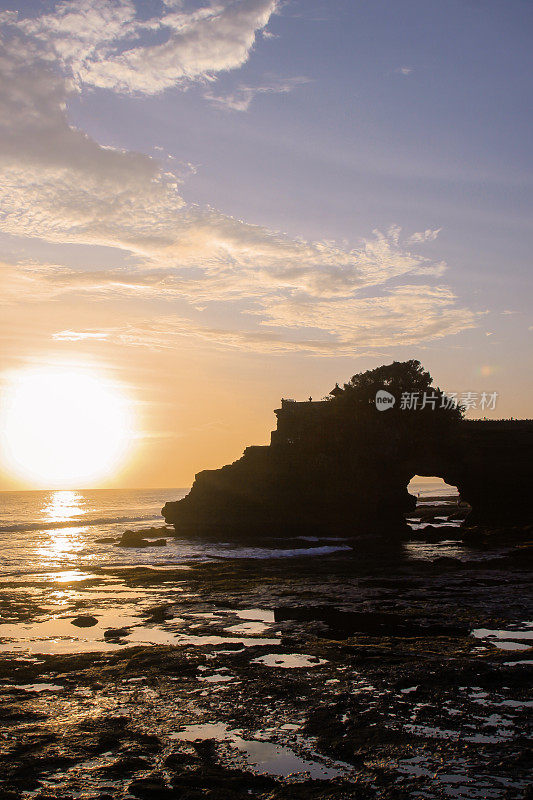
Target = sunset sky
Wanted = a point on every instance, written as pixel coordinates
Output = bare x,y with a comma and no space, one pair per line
206,206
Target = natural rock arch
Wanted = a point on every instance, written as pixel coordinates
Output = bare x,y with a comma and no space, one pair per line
340,466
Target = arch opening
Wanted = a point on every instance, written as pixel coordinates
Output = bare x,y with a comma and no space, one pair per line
425,487
439,507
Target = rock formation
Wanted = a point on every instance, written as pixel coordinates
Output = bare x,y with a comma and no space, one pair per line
341,466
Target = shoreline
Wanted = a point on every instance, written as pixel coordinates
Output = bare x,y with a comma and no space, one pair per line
371,677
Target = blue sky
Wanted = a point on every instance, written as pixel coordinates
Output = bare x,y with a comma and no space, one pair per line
203,183
415,113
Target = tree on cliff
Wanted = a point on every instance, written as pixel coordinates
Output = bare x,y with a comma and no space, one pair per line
401,378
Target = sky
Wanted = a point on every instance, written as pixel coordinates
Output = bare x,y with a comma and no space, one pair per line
213,205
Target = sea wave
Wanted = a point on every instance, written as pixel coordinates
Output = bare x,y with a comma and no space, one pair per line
260,552
21,527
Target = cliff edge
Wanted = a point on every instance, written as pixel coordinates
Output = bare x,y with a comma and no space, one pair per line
341,466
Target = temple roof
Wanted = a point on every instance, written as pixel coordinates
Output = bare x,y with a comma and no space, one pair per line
336,390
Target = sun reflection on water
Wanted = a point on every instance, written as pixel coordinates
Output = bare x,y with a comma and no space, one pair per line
62,506
62,544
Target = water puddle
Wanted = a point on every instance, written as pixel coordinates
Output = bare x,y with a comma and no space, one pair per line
515,646
265,757
259,614
58,634
289,661
432,732
216,678
515,639
429,551
451,778
36,687
250,628
215,640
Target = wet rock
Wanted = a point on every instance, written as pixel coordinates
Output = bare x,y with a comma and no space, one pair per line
434,533
136,539
206,749
155,532
116,633
105,540
126,765
348,623
159,614
132,539
84,621
177,760
153,787
446,561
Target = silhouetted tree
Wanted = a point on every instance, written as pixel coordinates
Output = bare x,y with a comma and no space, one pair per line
401,378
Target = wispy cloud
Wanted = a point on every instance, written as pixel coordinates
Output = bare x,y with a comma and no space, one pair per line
429,235
60,185
242,97
342,327
404,70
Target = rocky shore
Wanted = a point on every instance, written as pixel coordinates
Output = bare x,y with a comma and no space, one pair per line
358,674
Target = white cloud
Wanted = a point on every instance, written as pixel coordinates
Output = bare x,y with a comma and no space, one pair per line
429,235
60,185
106,44
80,336
339,327
242,97
404,70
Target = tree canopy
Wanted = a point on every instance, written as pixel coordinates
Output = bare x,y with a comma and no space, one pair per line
401,378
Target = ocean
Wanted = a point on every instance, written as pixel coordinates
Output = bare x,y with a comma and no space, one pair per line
58,553
60,529
43,531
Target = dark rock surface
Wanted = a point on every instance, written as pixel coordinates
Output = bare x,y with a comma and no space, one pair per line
139,539
85,621
116,633
392,691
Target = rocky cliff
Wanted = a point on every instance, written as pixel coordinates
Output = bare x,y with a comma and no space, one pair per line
341,466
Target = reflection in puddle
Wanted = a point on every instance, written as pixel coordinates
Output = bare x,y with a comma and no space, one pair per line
260,614
515,646
248,627
264,757
290,661
514,640
216,678
37,687
58,635
201,640
429,551
453,779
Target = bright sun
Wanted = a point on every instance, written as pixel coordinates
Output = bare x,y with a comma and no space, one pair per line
63,427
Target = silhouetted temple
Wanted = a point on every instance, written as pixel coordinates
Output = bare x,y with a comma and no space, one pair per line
342,467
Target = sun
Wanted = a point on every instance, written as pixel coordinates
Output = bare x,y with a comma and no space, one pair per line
64,427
